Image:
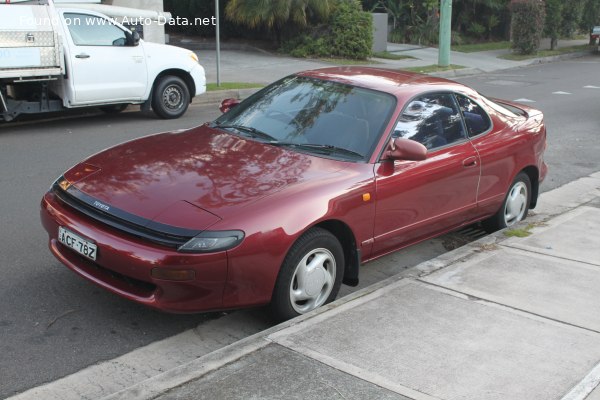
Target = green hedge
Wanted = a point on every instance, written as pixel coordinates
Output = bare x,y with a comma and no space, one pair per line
348,34
527,25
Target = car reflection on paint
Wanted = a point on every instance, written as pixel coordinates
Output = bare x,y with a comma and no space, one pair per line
282,198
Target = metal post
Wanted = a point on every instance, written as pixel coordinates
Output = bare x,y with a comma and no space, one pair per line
218,43
445,33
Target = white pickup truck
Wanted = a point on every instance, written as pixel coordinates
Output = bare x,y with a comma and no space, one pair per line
55,58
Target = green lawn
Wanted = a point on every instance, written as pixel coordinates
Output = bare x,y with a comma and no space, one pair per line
433,68
472,48
211,87
391,56
548,53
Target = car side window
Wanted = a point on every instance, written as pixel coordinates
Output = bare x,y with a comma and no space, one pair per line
90,30
433,120
476,119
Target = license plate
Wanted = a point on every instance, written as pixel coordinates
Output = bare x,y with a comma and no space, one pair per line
77,243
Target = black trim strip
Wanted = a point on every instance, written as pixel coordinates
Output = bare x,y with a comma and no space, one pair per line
156,232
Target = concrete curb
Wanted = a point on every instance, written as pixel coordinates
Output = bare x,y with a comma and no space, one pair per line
567,56
153,387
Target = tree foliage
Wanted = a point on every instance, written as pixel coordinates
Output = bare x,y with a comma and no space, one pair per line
277,13
553,23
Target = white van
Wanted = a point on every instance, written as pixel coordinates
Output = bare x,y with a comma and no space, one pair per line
51,59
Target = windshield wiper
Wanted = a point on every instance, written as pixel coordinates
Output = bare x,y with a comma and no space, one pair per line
322,148
255,133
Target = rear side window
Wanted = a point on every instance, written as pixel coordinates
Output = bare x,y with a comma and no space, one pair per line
476,119
432,120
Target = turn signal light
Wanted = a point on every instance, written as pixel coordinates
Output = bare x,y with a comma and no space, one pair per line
168,274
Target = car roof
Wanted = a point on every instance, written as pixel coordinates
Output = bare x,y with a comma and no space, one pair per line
397,82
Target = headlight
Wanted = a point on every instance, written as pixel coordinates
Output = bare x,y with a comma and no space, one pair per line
194,56
213,241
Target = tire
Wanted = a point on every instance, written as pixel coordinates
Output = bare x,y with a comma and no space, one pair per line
113,109
515,206
317,258
171,97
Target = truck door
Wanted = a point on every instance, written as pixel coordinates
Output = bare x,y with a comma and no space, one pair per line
105,65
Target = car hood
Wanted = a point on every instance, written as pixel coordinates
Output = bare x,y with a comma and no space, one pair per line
193,178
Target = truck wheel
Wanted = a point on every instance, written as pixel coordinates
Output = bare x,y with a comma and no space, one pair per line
113,109
310,276
171,97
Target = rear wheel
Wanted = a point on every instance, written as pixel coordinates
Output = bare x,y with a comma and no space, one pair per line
310,276
515,206
171,97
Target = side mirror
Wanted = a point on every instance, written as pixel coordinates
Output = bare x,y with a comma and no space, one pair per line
133,38
406,149
228,104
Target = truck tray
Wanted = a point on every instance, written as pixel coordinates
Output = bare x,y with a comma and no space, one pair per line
30,46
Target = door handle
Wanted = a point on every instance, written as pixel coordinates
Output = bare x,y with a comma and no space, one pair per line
470,162
82,55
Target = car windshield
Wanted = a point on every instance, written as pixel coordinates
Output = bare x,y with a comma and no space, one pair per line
315,116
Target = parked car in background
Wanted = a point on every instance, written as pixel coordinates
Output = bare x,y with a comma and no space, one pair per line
595,35
53,59
284,196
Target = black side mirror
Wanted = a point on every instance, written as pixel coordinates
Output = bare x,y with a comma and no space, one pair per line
133,38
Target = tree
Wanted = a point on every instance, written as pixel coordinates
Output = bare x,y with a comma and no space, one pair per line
275,14
553,24
571,18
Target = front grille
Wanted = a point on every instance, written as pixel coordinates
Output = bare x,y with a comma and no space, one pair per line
123,221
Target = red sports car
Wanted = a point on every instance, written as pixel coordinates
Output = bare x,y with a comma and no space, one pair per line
284,196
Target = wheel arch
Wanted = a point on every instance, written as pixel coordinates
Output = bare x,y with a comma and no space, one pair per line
184,75
534,177
345,236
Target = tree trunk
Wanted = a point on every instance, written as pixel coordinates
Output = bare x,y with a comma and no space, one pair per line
553,43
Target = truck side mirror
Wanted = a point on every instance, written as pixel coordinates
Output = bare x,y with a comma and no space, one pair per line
228,104
133,38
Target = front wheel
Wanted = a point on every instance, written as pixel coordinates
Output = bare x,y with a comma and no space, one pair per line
171,97
310,275
515,206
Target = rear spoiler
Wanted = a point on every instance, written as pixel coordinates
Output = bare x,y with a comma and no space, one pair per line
527,112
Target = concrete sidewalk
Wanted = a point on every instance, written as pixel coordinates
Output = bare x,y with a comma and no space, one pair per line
500,318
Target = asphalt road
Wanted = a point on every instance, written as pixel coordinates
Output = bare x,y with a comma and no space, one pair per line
568,93
53,323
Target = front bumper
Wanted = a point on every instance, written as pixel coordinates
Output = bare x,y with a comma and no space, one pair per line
124,263
199,77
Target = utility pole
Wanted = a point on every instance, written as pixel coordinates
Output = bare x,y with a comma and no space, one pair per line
218,36
445,33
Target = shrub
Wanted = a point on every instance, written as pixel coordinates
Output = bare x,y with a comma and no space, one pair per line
527,25
348,34
351,31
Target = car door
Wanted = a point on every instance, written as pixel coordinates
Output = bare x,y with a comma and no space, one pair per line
416,199
105,66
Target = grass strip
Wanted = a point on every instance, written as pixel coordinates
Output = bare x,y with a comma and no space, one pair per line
212,87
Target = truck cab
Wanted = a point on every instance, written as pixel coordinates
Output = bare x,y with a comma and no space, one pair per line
97,62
